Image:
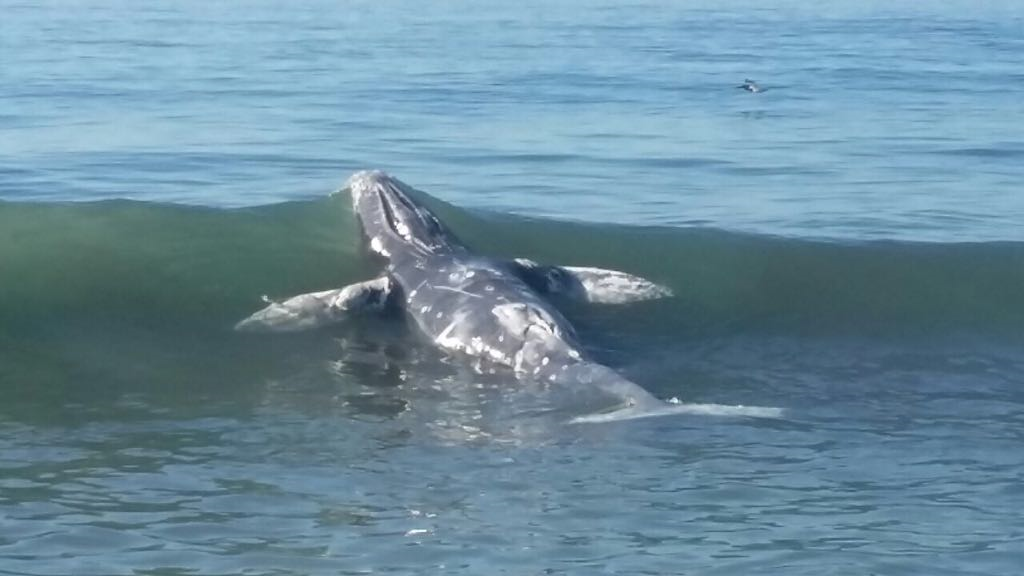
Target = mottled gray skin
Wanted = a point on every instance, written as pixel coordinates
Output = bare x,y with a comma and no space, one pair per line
492,311
473,305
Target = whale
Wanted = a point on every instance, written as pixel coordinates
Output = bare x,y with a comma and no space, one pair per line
495,313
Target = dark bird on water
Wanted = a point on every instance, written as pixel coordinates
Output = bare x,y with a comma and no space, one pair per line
750,86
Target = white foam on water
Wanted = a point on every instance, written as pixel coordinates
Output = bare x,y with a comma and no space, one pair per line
676,408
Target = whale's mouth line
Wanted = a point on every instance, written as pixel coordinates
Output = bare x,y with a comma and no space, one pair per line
389,216
403,217
404,200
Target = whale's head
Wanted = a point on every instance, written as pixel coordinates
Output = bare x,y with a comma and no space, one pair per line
392,220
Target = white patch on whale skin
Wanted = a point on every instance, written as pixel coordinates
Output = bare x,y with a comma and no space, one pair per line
446,340
499,356
462,273
537,330
457,290
450,339
377,246
520,318
402,229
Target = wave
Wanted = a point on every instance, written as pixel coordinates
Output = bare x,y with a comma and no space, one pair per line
107,301
197,269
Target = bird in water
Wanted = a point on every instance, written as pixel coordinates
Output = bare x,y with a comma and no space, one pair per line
750,86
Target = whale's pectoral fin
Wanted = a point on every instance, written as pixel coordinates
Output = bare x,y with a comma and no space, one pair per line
318,309
589,284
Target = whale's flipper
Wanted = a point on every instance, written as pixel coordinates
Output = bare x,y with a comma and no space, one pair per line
588,284
317,309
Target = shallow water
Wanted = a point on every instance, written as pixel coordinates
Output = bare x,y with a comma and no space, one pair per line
844,246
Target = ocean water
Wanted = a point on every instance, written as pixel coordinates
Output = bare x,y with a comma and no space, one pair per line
845,246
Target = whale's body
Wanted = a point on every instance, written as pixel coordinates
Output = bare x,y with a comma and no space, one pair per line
496,312
480,307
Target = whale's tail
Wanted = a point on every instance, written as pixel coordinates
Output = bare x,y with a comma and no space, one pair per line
638,403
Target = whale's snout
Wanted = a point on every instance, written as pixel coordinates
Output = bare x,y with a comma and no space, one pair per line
362,183
389,216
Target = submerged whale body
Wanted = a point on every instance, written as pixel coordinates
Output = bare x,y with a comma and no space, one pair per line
493,311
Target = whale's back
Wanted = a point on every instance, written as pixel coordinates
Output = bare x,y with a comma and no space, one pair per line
478,306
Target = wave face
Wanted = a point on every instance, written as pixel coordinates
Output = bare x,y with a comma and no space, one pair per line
176,269
104,298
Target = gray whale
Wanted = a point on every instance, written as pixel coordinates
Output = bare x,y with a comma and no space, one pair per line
492,311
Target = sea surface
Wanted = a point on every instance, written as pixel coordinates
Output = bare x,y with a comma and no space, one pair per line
846,246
